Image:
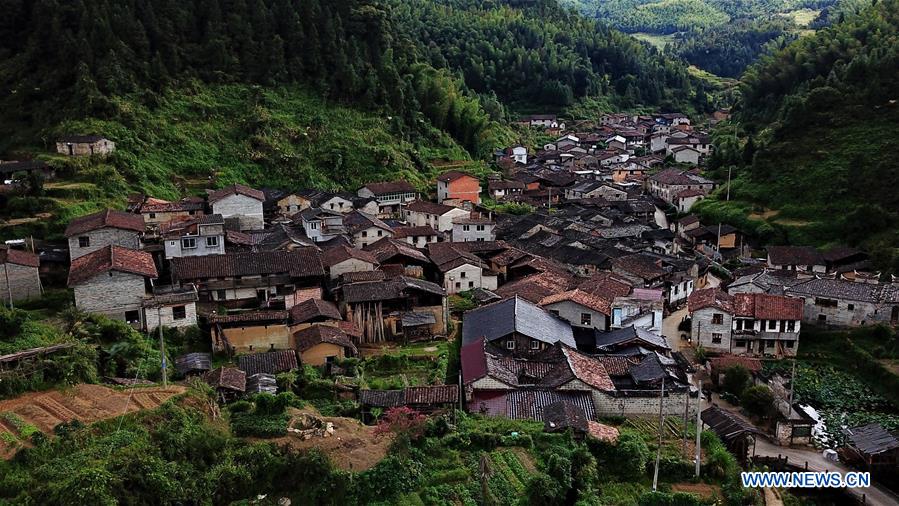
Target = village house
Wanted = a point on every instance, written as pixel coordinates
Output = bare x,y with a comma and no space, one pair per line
686,199
430,399
458,187
545,121
796,258
579,308
342,259
522,328
196,237
502,190
686,154
321,225
239,205
292,203
514,154
19,275
84,145
172,307
473,228
417,236
400,255
8,170
439,216
339,202
320,345
630,342
391,196
250,331
265,278
460,270
668,183
112,281
156,212
90,233
842,303
377,308
365,228
745,323
700,143
643,308
673,275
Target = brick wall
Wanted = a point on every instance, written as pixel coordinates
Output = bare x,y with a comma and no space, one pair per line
24,282
165,313
111,295
247,210
104,237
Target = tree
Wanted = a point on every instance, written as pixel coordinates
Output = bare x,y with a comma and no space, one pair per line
758,401
736,379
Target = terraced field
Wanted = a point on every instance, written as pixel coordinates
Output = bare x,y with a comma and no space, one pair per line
43,411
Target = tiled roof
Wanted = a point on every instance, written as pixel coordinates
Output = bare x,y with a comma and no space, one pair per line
644,266
388,248
342,253
872,439
108,218
726,361
193,362
301,262
762,306
259,316
588,300
81,139
562,415
447,256
617,365
111,258
19,257
529,404
22,166
230,378
310,309
396,288
270,362
237,189
390,187
515,314
161,206
423,230
885,293
505,185
357,221
615,338
536,287
794,255
426,207
362,276
582,367
318,334
710,297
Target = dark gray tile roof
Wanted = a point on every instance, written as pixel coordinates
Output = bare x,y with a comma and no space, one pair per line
515,315
270,362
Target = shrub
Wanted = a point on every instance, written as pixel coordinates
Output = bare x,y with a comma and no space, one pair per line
402,422
631,455
758,401
241,406
249,424
736,380
669,499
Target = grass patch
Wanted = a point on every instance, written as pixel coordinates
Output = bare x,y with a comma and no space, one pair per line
659,41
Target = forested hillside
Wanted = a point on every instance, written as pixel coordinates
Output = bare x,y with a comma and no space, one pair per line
821,119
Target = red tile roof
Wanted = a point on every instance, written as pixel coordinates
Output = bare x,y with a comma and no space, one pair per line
108,218
302,262
235,189
260,316
111,258
423,230
18,257
319,334
453,175
763,306
725,361
588,300
390,187
426,207
314,308
588,369
710,297
342,253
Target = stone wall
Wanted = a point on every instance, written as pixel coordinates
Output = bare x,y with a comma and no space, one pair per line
702,329
349,265
571,312
111,293
104,237
247,210
152,316
24,282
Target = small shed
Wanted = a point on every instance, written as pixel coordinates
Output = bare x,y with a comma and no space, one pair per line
269,362
417,326
425,399
736,433
563,415
873,445
191,364
228,382
262,383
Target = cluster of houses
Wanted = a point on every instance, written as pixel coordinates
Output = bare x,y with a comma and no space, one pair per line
570,296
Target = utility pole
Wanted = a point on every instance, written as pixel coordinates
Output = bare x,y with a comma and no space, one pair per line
655,474
698,429
792,387
8,287
165,380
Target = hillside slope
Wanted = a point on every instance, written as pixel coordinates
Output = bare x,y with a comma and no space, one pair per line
823,119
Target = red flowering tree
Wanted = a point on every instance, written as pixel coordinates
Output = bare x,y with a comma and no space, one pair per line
402,421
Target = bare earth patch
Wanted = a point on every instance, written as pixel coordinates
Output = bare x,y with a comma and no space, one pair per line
703,490
352,447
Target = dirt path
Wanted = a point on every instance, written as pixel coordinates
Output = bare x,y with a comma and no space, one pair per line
85,403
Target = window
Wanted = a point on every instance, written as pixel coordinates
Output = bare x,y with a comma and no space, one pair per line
850,307
132,316
313,225
676,289
480,228
479,239
769,343
791,326
717,319
510,344
152,216
772,324
789,344
825,302
716,338
179,312
471,284
188,243
458,285
84,241
380,233
462,274
465,228
822,317
739,343
554,312
535,345
212,242
586,319
365,233
219,295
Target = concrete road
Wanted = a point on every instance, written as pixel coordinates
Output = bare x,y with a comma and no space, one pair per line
669,329
875,495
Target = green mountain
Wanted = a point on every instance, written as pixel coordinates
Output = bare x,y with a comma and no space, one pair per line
821,120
